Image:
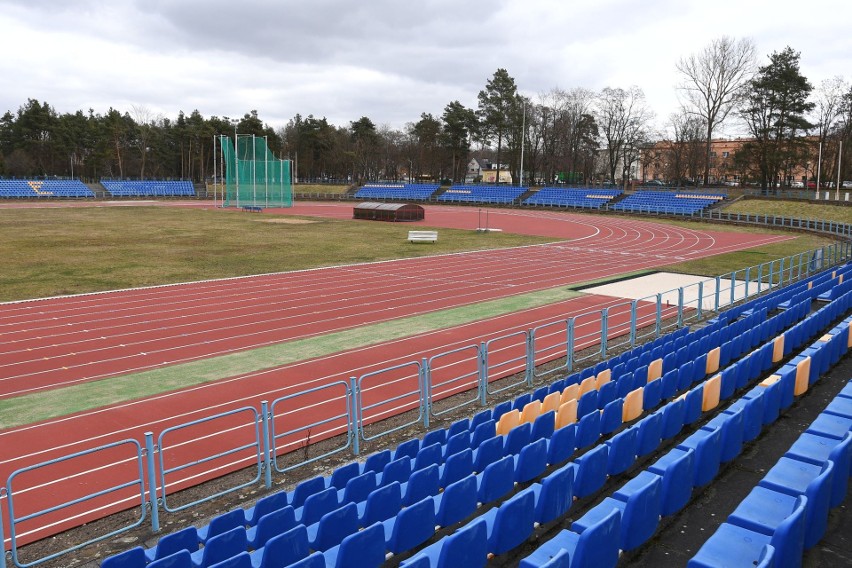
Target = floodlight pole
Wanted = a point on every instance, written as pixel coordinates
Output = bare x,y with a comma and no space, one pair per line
215,169
523,137
819,167
253,172
236,165
839,158
266,169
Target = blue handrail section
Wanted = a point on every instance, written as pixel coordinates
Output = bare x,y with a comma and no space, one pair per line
554,337
407,378
452,372
501,362
318,401
217,421
121,490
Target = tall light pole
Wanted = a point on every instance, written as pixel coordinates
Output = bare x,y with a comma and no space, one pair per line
839,159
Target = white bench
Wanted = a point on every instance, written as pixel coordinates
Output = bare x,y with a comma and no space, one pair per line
423,236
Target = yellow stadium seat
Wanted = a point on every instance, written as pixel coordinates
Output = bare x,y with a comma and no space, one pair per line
778,349
586,386
770,380
655,369
632,408
550,402
710,396
571,392
508,421
567,414
603,378
712,361
803,373
531,411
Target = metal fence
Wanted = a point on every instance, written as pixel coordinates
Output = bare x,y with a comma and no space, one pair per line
351,415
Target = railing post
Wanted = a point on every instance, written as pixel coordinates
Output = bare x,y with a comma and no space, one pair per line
716,294
733,282
747,280
152,483
659,323
483,373
425,391
267,446
680,307
356,429
604,330
700,300
759,276
530,357
569,348
633,323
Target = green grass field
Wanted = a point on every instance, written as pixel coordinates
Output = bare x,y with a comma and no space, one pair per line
49,252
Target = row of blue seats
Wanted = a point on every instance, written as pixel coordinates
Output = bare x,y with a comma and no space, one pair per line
574,197
44,188
342,476
482,194
786,513
397,191
612,458
629,519
148,188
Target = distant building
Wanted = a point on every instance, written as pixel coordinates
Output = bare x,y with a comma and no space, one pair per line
480,170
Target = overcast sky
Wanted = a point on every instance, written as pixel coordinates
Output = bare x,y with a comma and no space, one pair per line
389,60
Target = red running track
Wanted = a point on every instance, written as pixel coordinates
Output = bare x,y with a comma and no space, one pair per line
628,243
57,342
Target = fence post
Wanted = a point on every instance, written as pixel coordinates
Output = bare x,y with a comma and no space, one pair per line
356,430
604,330
659,322
483,372
700,299
152,482
747,280
633,323
569,347
716,294
530,358
425,391
759,276
680,307
267,446
733,281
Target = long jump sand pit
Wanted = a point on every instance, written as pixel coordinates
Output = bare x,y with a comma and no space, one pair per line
667,284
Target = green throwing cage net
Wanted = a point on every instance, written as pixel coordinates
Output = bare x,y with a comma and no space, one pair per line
254,177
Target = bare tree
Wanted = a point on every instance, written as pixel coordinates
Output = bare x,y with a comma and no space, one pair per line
827,114
685,155
623,117
714,82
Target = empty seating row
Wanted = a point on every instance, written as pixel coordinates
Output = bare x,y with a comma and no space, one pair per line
630,517
572,197
482,194
667,202
616,456
416,191
786,513
43,189
148,188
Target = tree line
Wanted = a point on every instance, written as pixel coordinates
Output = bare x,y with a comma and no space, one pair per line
563,134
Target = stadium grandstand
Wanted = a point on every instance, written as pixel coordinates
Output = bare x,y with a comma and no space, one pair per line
500,194
577,198
148,188
398,191
43,189
676,203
